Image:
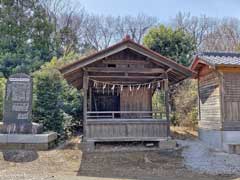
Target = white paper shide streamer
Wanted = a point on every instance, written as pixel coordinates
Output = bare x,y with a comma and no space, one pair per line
132,87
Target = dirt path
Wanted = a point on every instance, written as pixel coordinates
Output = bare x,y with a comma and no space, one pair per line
70,163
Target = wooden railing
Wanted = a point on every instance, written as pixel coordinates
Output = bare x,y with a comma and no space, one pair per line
158,115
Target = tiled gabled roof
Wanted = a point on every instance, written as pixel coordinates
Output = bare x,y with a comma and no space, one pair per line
220,58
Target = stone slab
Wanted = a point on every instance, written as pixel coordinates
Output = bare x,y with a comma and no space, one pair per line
37,147
28,141
28,138
234,148
230,140
17,114
167,144
231,136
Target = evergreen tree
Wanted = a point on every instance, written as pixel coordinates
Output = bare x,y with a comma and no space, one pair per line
48,101
57,105
26,35
175,44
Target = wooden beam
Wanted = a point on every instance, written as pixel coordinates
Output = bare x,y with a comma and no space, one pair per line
168,70
72,73
77,84
127,77
227,69
77,75
127,82
126,70
124,61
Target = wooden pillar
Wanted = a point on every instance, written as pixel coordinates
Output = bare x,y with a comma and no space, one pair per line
90,99
199,100
166,88
85,102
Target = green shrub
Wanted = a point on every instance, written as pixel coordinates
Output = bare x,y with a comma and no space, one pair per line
72,107
57,105
47,100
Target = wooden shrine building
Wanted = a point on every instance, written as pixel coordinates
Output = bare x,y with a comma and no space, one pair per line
118,85
218,75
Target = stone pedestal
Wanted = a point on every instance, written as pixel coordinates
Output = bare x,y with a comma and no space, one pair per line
43,141
37,140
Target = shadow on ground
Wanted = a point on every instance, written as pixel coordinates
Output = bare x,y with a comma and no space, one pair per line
20,156
130,165
152,165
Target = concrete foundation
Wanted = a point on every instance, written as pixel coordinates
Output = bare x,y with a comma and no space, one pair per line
212,138
43,141
227,141
163,144
88,146
167,144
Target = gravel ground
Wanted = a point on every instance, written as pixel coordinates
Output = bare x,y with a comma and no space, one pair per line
200,158
69,162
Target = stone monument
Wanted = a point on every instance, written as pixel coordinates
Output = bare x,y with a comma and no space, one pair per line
18,104
17,130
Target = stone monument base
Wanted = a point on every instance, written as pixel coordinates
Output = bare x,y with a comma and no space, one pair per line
43,141
36,141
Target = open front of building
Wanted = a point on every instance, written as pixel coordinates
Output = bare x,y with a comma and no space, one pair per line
118,85
123,112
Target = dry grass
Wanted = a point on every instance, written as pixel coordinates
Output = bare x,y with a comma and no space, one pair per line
183,133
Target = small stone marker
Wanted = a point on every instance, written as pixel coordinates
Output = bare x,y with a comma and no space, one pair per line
18,104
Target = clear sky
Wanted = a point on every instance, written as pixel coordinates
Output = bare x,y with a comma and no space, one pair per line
164,9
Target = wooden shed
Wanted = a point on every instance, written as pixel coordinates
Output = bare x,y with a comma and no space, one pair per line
118,85
218,75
